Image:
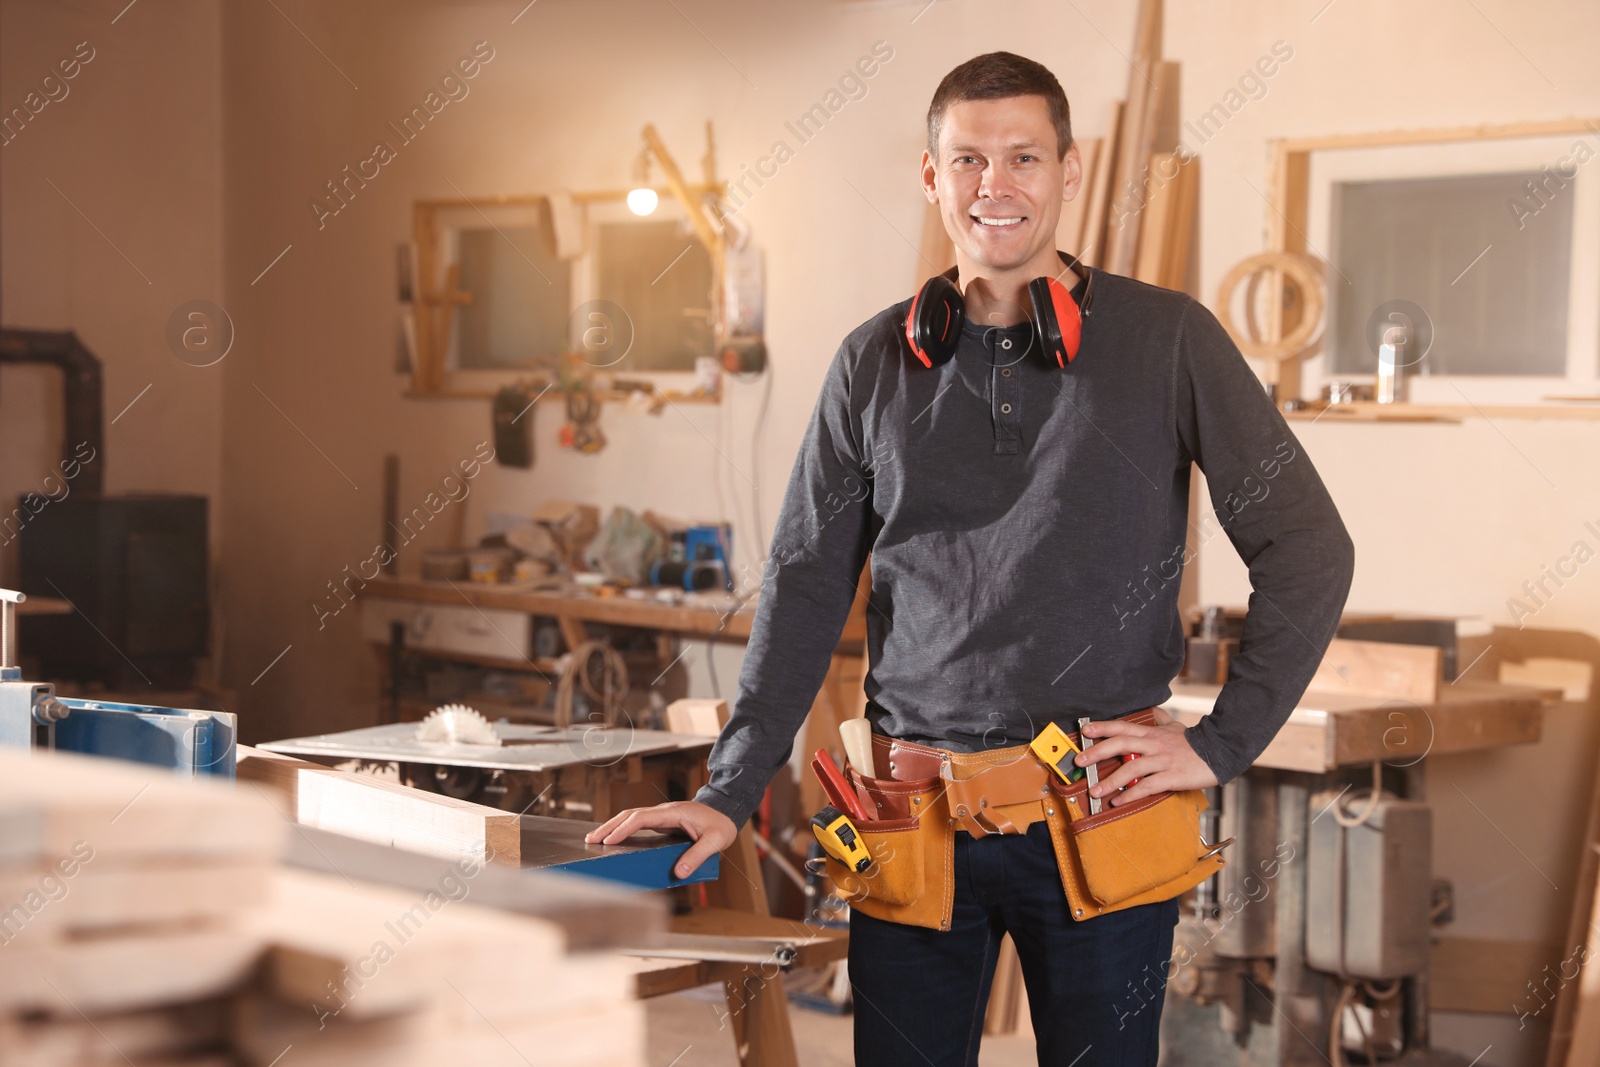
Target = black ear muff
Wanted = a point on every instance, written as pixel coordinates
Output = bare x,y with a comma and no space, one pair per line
933,326
1057,318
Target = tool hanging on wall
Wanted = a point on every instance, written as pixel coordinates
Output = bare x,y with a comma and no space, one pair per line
582,430
512,413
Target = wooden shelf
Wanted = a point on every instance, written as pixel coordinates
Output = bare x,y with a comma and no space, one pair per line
617,610
1368,411
605,396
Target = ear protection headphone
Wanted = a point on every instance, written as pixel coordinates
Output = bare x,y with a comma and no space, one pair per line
934,323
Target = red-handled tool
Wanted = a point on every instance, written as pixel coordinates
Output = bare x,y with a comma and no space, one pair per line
833,783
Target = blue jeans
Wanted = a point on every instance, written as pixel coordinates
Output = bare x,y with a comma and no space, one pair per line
1094,986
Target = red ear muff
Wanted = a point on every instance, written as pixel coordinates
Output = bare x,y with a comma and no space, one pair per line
933,325
1059,321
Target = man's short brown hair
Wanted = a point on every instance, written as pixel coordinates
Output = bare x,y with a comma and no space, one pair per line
994,76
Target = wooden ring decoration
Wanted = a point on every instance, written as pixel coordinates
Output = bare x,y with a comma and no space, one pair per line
1298,272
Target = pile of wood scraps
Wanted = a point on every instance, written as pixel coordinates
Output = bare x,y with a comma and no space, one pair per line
148,919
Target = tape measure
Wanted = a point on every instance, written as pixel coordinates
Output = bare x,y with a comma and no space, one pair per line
1054,748
840,838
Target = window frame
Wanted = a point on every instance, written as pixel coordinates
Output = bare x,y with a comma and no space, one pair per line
1288,223
1456,159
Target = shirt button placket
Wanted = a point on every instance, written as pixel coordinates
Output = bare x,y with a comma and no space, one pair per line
1007,396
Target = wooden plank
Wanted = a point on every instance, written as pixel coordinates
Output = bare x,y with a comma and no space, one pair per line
1584,1047
1092,249
1481,132
936,253
116,974
1488,976
103,898
1070,226
591,915
600,1035
384,812
55,804
1181,232
1286,232
1164,116
111,1040
368,951
1159,208
1135,142
1381,669
1574,678
1328,730
697,715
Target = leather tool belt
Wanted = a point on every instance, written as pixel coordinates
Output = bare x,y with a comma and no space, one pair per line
1136,853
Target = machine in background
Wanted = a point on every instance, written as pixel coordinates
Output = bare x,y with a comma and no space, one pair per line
191,743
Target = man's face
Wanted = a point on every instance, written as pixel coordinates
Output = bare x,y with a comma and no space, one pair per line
998,180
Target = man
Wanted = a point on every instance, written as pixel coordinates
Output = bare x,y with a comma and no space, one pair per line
1028,525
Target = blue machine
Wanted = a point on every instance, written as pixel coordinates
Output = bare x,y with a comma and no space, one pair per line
192,743
708,544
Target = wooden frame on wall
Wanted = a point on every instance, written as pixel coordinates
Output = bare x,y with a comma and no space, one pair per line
431,377
1289,220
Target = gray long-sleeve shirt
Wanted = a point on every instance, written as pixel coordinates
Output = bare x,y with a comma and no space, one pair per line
1028,526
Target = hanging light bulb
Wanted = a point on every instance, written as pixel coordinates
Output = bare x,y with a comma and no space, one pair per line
642,199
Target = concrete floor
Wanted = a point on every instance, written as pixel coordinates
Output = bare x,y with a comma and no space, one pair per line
684,1031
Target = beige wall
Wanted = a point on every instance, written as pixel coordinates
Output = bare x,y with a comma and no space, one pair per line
560,105
136,147
201,132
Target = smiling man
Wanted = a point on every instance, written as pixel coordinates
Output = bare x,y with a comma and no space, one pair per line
1013,447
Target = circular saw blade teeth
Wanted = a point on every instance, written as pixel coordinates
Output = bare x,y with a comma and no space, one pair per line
457,724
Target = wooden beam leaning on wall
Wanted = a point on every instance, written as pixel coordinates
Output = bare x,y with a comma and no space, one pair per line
1137,140
384,812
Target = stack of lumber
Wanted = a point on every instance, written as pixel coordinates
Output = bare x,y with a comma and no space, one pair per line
147,919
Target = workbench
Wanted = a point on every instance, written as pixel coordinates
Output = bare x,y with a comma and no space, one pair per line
497,625
1332,740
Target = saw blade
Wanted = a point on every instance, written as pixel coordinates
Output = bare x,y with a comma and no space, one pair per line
459,725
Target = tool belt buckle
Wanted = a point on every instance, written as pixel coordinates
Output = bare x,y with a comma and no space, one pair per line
1007,777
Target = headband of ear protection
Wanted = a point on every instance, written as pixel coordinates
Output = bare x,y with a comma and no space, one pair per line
933,326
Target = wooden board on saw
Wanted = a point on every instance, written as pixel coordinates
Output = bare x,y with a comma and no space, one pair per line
387,813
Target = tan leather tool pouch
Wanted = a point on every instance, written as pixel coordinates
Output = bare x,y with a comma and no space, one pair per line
1144,851
912,877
